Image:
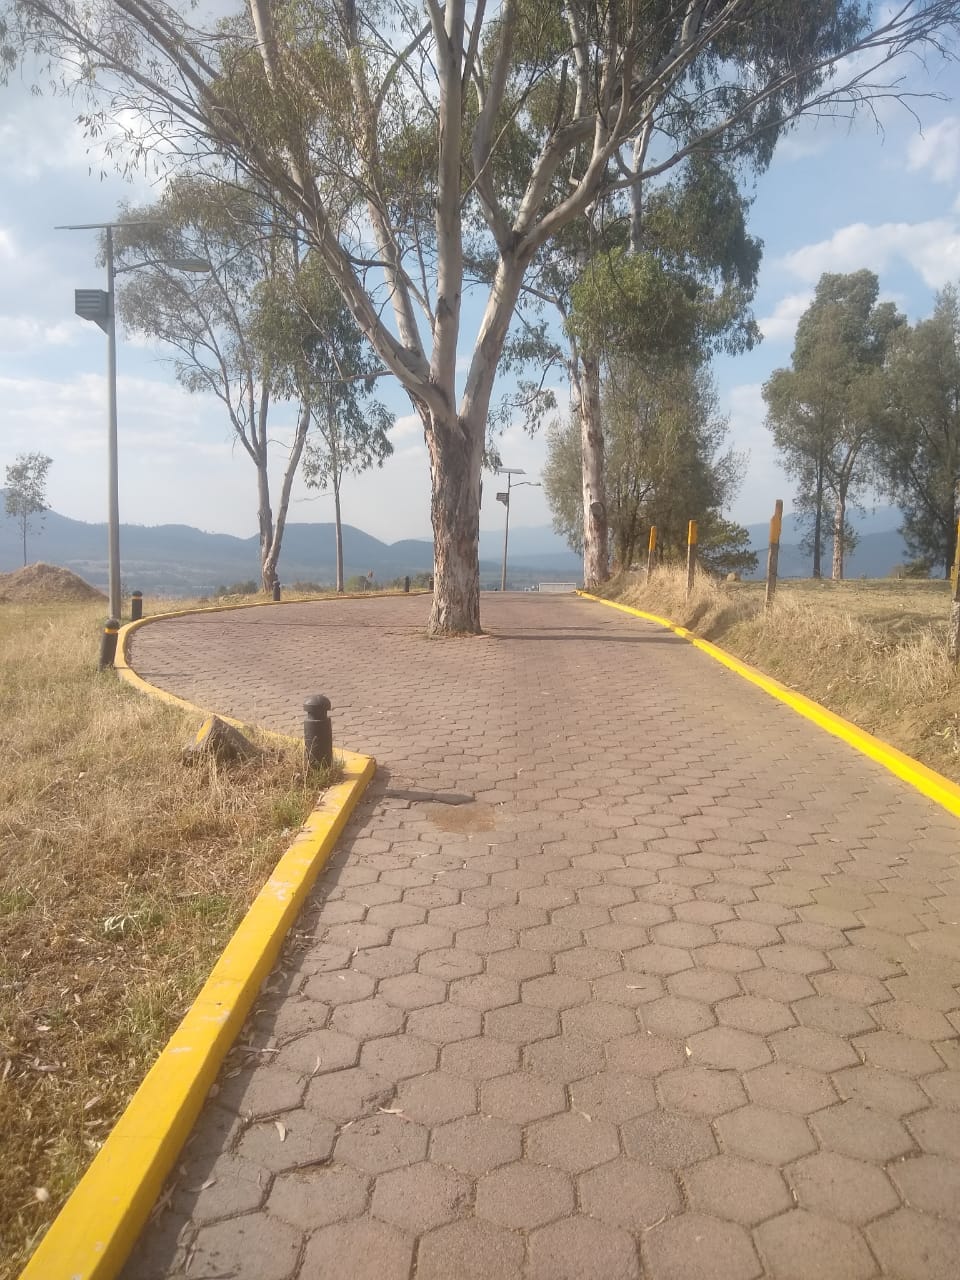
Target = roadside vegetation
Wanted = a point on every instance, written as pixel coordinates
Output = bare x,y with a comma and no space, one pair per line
873,651
122,874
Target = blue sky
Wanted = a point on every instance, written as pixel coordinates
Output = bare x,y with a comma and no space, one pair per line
838,197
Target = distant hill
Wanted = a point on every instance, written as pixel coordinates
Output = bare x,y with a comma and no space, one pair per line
177,559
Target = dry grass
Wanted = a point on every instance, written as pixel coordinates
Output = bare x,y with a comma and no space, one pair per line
122,874
873,651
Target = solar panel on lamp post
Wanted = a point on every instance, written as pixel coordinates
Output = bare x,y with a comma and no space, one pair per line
97,305
504,497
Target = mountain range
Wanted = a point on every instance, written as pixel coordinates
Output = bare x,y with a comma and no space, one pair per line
176,559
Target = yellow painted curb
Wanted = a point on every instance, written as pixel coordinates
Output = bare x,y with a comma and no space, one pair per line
927,781
92,1236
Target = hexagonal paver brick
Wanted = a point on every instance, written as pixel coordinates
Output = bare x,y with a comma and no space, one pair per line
307,1139
365,1019
786,1087
412,990
658,959
444,1023
436,1097
768,1136
397,1057
694,1247
263,1246
727,958
668,1140
631,989
937,1131
480,1058
898,1053
683,933
881,1090
518,963
363,1249
587,962
855,1130
750,1013
572,1141
384,962
929,1183
839,1017
315,1197
476,1144
913,1020
915,1246
809,1047
521,1023
644,1054
736,1189
470,1250
676,1017
598,1021
839,1187
266,1091
613,1095
728,1048
581,1249
449,963
627,1193
524,1196
230,1186
564,1058
339,986
484,992
776,984
794,959
701,1091
555,992
857,988
705,985
419,1197
319,1052
806,1246
381,1142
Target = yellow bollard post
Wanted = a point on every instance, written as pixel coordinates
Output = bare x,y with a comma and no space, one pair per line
651,551
773,554
691,554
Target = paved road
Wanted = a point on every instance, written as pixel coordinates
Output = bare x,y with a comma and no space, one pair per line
674,996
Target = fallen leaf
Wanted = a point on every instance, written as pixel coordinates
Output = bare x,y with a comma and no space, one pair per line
209,1183
281,1130
41,1194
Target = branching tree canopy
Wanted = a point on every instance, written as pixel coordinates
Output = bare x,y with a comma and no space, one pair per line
825,411
318,355
211,322
26,491
395,133
919,445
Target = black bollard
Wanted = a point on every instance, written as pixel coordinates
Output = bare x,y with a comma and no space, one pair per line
317,731
136,606
108,643
406,583
276,588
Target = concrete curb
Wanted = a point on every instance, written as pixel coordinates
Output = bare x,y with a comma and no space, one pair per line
927,781
92,1236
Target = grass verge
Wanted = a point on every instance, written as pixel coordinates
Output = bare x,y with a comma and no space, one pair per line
872,651
122,875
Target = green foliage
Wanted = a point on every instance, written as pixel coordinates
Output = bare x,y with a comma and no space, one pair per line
26,491
919,444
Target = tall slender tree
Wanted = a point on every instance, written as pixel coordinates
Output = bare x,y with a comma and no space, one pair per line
25,498
317,99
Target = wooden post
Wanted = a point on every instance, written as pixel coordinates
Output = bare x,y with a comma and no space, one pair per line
651,551
773,554
953,632
691,554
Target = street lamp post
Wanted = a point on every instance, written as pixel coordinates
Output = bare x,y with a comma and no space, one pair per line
504,497
97,306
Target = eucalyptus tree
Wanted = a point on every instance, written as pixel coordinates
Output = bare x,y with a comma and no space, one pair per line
211,322
318,356
825,412
25,496
919,443
322,103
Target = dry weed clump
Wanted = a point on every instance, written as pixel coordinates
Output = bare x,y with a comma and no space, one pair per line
122,874
874,652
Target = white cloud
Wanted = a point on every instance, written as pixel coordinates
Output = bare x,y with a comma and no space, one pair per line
407,427
931,248
24,334
937,150
781,324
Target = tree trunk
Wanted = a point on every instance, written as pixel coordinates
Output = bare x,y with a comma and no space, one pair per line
271,559
839,525
818,526
596,553
265,520
23,529
338,533
456,454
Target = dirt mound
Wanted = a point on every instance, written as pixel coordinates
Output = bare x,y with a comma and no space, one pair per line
45,583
